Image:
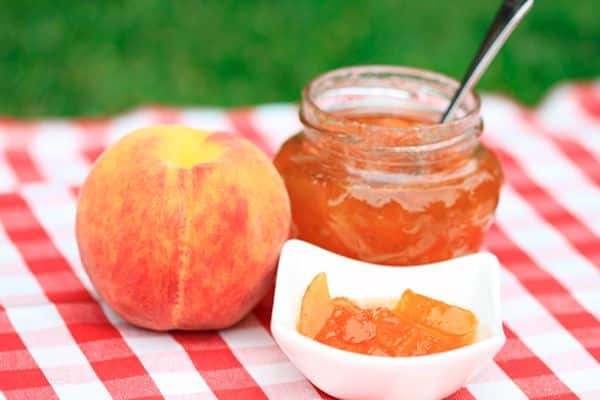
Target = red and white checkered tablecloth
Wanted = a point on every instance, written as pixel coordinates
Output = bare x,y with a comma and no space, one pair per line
58,340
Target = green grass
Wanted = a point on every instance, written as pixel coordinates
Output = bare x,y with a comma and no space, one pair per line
64,57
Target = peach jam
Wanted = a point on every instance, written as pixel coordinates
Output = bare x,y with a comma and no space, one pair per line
375,177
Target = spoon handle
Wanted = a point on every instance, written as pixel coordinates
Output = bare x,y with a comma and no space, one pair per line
509,15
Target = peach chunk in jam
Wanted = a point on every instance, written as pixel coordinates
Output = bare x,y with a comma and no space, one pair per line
417,325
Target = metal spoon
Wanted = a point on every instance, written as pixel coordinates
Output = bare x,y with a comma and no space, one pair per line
507,18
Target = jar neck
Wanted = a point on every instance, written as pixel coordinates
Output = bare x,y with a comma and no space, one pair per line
332,103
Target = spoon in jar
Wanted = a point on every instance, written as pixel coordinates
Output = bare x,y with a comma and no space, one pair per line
507,18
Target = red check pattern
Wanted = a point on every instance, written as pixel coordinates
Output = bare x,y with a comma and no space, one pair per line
59,340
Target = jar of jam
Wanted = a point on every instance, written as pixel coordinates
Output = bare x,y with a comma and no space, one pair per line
375,177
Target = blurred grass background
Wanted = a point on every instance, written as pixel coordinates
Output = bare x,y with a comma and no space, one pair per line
65,57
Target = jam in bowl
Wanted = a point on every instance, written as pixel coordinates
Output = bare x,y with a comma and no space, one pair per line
471,282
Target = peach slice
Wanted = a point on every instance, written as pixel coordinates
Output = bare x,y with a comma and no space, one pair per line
452,322
316,306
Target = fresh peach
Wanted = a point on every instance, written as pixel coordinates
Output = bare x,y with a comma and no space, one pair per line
181,229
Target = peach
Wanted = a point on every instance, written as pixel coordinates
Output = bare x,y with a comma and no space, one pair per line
316,306
181,229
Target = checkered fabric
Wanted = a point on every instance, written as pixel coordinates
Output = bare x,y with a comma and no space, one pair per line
59,340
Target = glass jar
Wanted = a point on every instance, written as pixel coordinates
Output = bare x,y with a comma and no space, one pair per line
374,177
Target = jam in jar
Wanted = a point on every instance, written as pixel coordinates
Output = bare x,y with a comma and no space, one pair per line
375,177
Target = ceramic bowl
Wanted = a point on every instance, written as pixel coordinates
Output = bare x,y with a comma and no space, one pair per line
471,282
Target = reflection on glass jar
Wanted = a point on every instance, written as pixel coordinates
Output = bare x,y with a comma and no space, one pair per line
372,175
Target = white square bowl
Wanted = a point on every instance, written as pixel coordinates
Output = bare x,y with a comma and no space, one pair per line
472,282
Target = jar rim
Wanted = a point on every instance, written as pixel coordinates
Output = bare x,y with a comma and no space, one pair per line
343,128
